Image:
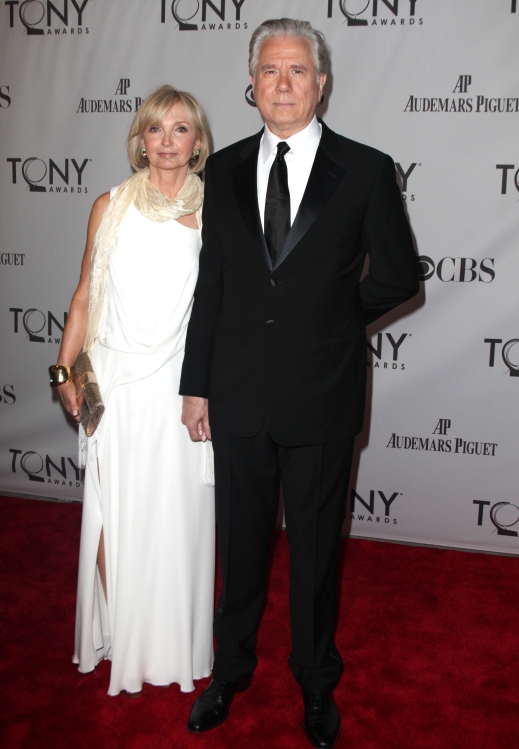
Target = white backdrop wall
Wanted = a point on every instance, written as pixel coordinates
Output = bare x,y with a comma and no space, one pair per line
434,83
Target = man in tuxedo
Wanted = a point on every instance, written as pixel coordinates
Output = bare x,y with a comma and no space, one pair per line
275,361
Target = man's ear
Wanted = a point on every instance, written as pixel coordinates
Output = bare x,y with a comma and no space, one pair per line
322,81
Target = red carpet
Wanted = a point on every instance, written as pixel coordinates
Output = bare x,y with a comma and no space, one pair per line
430,640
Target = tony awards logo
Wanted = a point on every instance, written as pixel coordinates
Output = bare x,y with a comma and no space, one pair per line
404,175
503,516
378,507
505,181
37,326
204,15
60,471
42,175
509,354
375,12
40,17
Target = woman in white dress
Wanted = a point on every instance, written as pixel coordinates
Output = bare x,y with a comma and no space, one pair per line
146,567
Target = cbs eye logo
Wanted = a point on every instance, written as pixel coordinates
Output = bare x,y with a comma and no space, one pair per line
457,269
249,96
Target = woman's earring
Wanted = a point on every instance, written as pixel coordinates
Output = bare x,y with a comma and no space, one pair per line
143,152
196,153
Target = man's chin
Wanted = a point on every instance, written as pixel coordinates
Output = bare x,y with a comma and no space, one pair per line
284,117
283,109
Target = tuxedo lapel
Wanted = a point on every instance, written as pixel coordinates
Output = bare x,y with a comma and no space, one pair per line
323,180
325,176
246,189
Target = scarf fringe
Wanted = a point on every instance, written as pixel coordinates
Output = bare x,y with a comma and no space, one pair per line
208,477
82,446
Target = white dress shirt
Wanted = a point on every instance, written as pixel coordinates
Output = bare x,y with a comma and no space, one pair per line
299,161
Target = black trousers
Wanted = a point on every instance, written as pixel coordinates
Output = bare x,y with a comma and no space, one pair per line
315,482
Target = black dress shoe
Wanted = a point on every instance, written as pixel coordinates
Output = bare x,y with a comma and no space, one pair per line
214,704
322,723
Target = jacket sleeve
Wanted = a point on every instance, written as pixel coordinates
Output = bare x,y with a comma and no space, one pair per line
206,307
393,265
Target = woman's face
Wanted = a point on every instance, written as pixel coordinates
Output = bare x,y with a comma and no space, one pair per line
170,143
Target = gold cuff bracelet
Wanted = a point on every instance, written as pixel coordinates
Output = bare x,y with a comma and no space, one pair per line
59,374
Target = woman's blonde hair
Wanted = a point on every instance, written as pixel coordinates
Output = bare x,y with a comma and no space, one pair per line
153,110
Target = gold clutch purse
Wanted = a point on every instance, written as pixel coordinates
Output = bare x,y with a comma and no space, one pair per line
88,395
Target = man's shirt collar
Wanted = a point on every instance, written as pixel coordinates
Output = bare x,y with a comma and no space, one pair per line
305,140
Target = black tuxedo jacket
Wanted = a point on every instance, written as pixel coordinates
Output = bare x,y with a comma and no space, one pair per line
286,345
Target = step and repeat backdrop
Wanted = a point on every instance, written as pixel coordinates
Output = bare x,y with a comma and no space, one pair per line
434,83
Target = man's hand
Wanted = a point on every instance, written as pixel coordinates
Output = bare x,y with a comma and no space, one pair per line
195,417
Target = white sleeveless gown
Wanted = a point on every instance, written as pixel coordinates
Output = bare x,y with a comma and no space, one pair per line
144,476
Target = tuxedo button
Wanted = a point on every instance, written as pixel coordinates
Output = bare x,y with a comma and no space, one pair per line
270,323
273,282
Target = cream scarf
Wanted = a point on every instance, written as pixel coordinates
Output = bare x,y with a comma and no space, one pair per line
155,206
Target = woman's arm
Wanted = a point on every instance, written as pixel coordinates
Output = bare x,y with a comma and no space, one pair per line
76,325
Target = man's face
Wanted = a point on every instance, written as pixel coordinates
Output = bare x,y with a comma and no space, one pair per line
285,86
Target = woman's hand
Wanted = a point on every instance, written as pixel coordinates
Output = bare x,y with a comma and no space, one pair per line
67,393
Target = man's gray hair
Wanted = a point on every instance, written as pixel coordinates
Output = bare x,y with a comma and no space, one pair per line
289,27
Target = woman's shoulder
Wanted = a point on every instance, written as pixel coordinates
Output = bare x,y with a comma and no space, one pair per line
104,199
96,214
100,204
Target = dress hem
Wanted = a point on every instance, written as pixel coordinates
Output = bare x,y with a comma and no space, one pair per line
171,683
151,683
